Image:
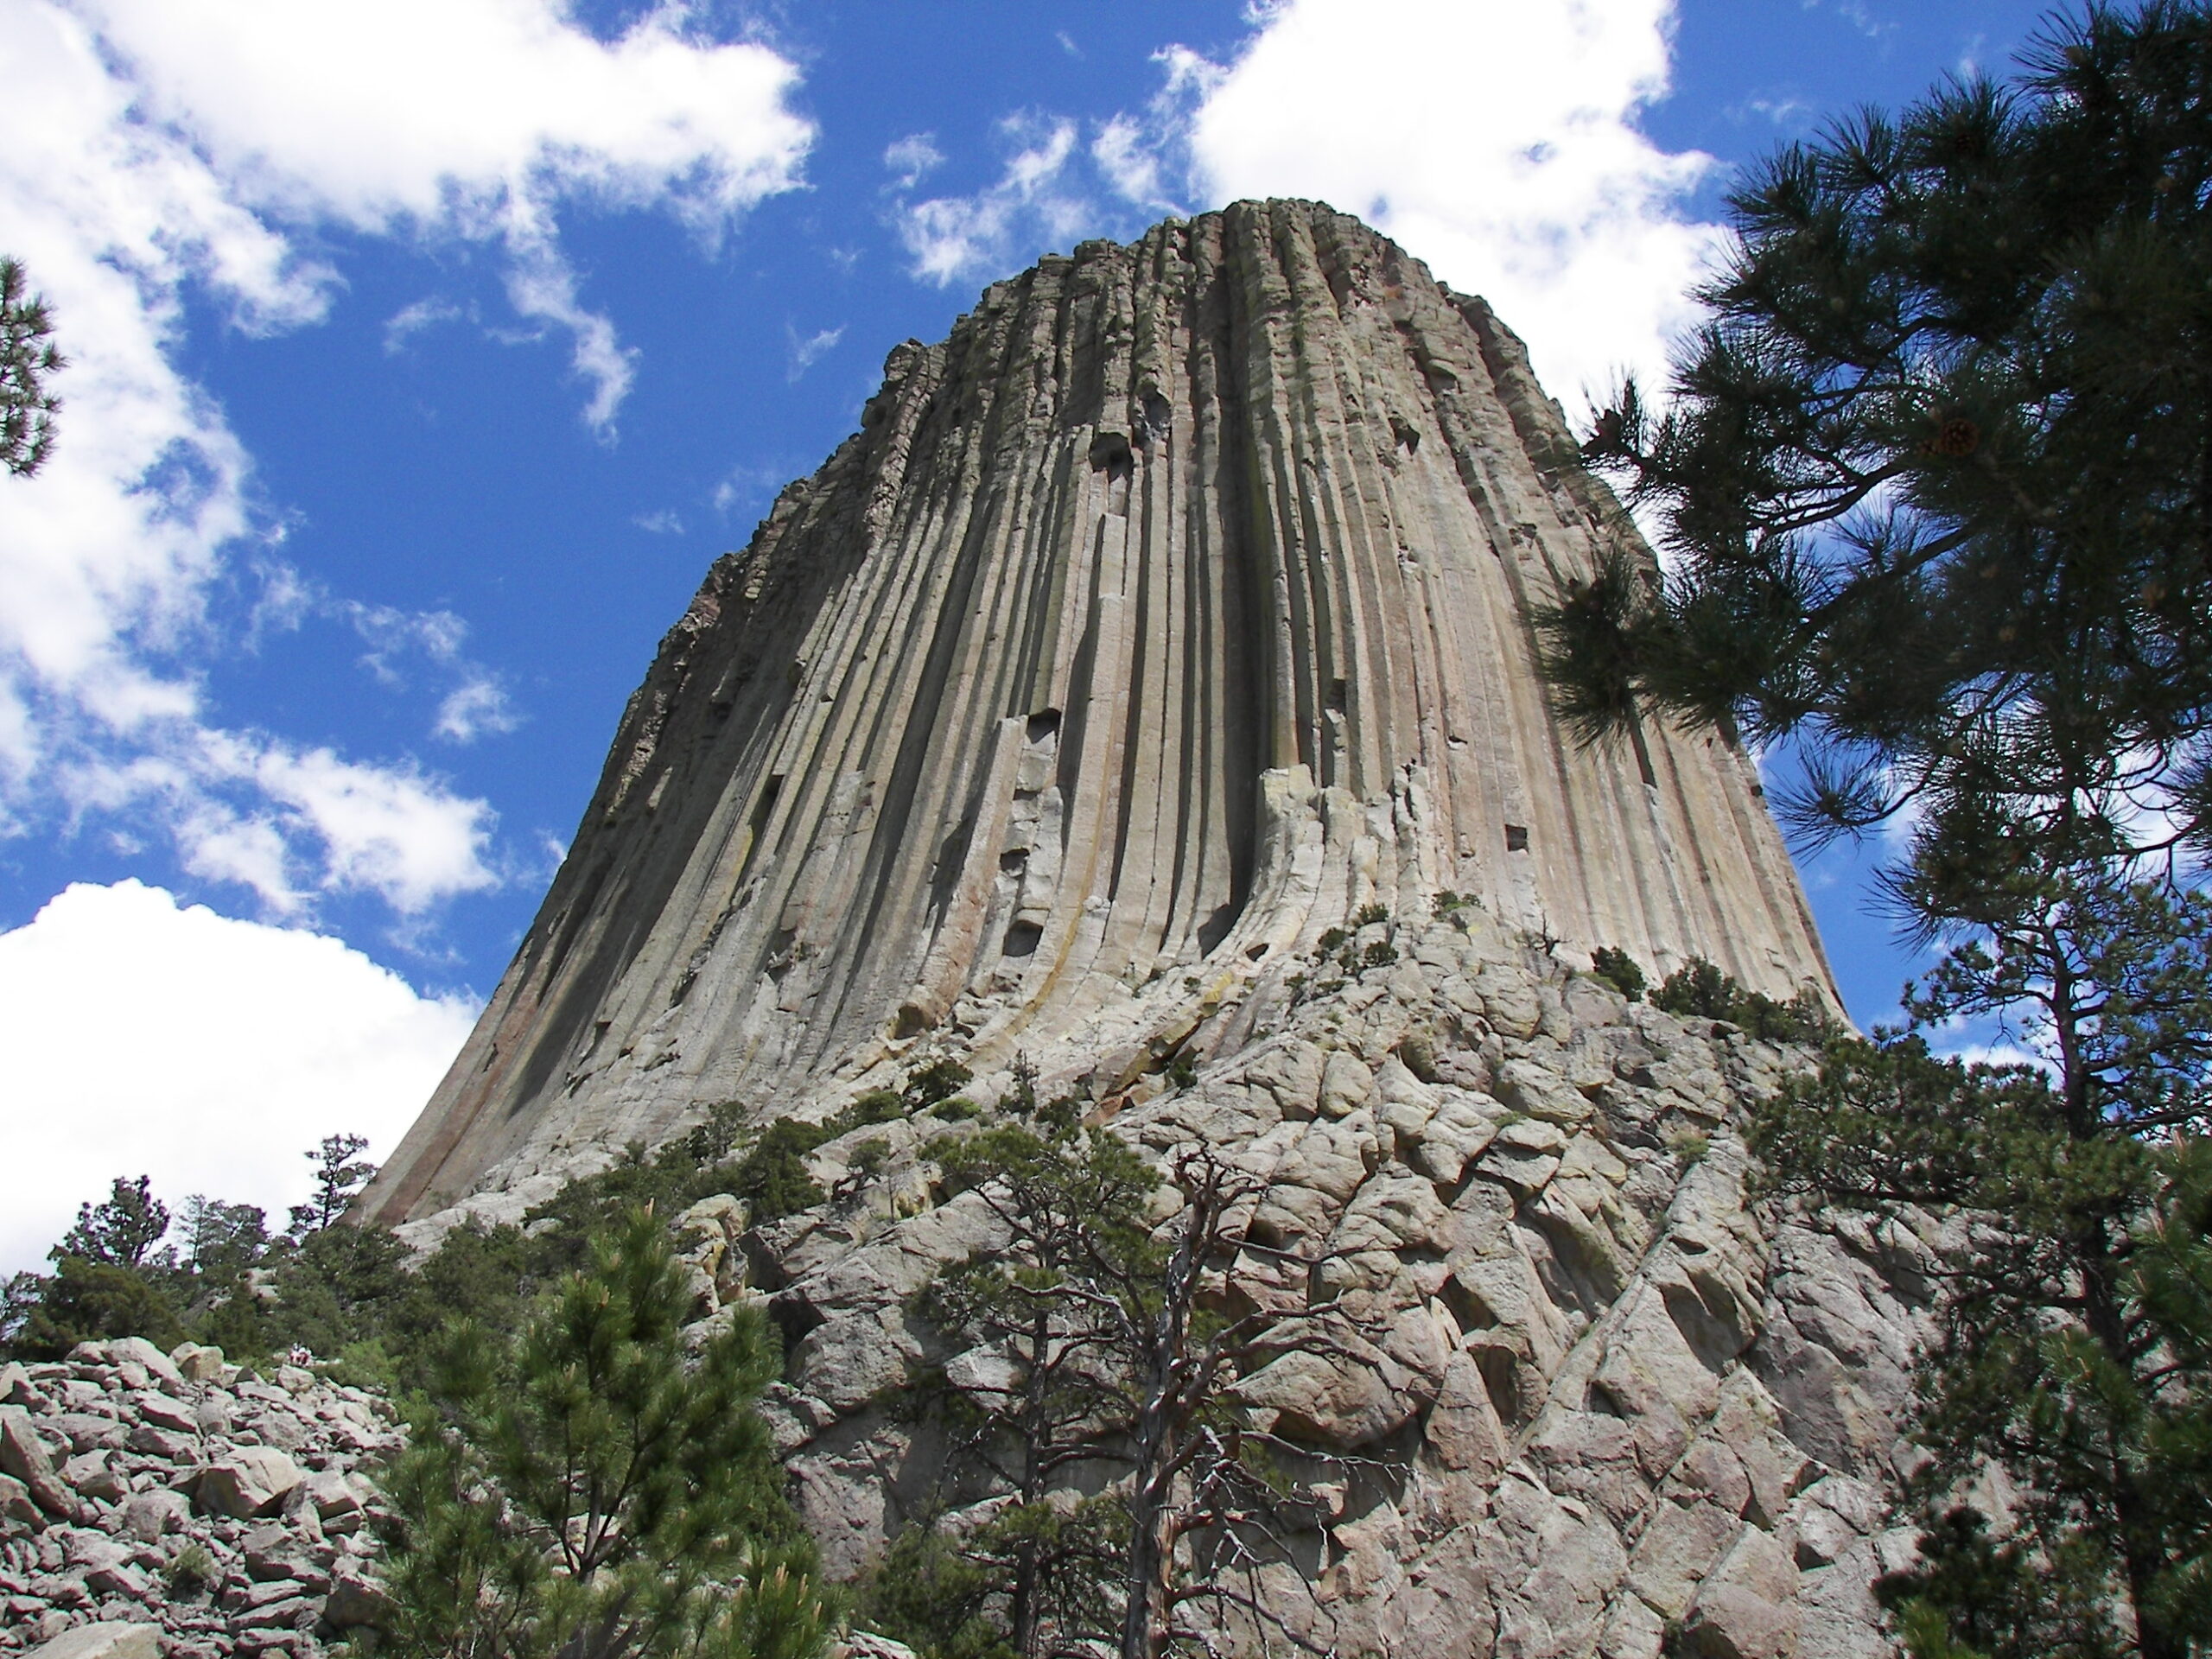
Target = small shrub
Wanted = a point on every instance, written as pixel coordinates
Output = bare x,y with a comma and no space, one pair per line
877,1106
193,1571
1447,901
1697,990
1371,914
1183,1069
1331,939
1689,1146
959,1109
1619,969
939,1080
1540,940
1381,954
771,1177
868,1162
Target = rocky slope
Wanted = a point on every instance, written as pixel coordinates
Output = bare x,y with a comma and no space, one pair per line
1607,1396
183,1505
1172,610
1173,615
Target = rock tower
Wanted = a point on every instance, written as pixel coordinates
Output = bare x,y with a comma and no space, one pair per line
1169,620
1174,611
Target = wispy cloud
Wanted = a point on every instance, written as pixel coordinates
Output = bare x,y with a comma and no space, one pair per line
665,522
806,352
956,239
401,327
913,158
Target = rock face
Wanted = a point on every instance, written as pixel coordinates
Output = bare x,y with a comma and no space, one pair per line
1610,1396
1170,619
1171,612
185,1506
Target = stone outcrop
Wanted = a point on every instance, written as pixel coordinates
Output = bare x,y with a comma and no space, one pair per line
1170,619
1171,611
1610,1396
175,1503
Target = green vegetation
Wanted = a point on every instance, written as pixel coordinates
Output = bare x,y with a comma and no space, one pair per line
2075,1347
1933,478
29,358
582,1488
189,1571
349,1294
1933,473
1125,1487
1698,990
1619,969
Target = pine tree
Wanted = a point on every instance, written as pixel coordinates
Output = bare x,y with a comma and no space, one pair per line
1936,475
2074,1349
121,1232
1118,1357
589,1490
339,1174
28,358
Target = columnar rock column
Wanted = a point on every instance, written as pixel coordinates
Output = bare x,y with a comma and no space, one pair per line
1174,610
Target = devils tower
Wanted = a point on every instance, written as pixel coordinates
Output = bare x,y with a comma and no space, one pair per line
1145,702
1171,612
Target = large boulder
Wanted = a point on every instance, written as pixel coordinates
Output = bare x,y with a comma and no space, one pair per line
23,1456
107,1640
249,1482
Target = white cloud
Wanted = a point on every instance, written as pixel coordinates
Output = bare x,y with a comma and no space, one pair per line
956,239
806,353
907,159
665,522
153,152
475,707
291,822
1497,142
204,1052
409,320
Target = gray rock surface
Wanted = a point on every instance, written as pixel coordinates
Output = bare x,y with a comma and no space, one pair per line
159,1468
1136,697
1169,614
1603,1396
109,1639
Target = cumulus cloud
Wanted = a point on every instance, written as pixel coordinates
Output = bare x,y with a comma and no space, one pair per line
290,823
1497,142
157,151
956,238
247,1045
1504,152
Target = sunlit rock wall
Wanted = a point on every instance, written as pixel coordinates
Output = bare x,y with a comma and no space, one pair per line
1173,611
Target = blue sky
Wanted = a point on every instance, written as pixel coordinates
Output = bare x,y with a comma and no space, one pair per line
425,351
